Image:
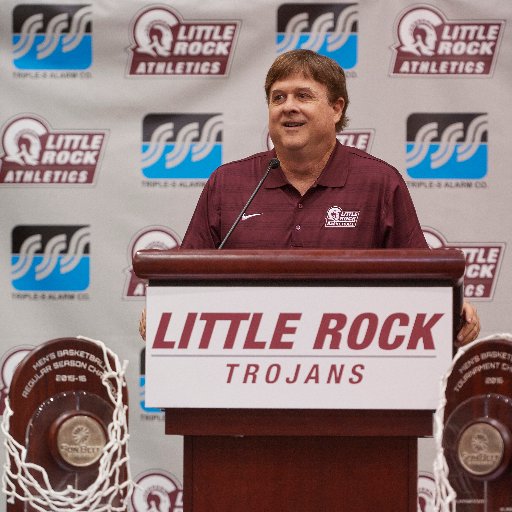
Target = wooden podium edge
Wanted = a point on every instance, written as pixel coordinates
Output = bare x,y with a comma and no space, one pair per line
445,265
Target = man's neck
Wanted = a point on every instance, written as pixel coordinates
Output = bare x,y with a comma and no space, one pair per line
303,171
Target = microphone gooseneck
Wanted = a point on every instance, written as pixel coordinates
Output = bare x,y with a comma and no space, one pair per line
273,164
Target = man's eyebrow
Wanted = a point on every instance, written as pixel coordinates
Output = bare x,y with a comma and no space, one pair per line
295,89
306,89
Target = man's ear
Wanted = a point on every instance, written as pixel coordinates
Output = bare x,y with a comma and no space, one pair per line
338,108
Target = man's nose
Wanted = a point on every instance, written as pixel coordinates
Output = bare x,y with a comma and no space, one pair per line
291,104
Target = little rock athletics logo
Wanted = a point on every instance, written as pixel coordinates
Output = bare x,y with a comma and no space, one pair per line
157,491
336,217
151,237
52,36
429,44
50,258
163,44
483,262
34,154
447,145
177,146
328,29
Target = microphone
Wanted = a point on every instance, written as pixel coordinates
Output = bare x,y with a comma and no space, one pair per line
273,164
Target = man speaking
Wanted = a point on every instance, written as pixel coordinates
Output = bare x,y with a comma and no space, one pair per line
310,191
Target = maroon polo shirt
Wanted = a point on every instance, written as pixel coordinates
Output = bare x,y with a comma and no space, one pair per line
358,202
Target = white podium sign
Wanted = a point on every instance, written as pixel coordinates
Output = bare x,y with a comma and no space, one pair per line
307,347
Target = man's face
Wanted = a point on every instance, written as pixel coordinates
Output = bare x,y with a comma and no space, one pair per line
300,115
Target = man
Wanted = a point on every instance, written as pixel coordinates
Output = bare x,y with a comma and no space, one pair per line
307,100
322,194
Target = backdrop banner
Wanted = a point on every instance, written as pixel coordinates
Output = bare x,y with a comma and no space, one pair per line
114,114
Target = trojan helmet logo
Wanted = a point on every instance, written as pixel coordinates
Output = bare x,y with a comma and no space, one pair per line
417,31
163,44
426,492
153,32
328,29
151,237
35,154
22,141
157,491
428,44
50,258
51,37
483,262
177,146
447,146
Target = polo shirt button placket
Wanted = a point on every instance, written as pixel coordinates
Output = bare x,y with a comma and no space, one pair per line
296,239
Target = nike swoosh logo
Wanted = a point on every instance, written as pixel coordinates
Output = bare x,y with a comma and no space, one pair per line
245,217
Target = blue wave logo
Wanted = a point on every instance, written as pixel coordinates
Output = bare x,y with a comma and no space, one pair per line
328,29
142,386
142,395
181,145
447,146
50,258
50,37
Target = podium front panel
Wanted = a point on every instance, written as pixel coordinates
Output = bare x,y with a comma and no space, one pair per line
285,346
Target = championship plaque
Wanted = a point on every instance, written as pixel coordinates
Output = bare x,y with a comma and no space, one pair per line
477,437
62,406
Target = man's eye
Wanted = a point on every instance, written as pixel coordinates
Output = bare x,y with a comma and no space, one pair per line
304,96
277,98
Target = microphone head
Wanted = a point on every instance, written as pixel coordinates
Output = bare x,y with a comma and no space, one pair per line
274,163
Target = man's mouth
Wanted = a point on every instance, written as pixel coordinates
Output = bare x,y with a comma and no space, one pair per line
293,124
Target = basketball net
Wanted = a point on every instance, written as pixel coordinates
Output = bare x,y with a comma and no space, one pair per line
29,482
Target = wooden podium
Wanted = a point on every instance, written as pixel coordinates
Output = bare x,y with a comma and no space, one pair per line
303,459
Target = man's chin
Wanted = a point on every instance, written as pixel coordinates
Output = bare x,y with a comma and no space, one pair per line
291,144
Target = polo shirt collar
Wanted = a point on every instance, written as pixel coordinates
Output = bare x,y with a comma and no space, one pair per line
334,174
276,177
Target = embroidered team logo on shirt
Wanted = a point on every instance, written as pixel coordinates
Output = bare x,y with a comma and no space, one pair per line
336,217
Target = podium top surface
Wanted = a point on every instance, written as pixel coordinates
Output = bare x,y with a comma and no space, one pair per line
325,264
